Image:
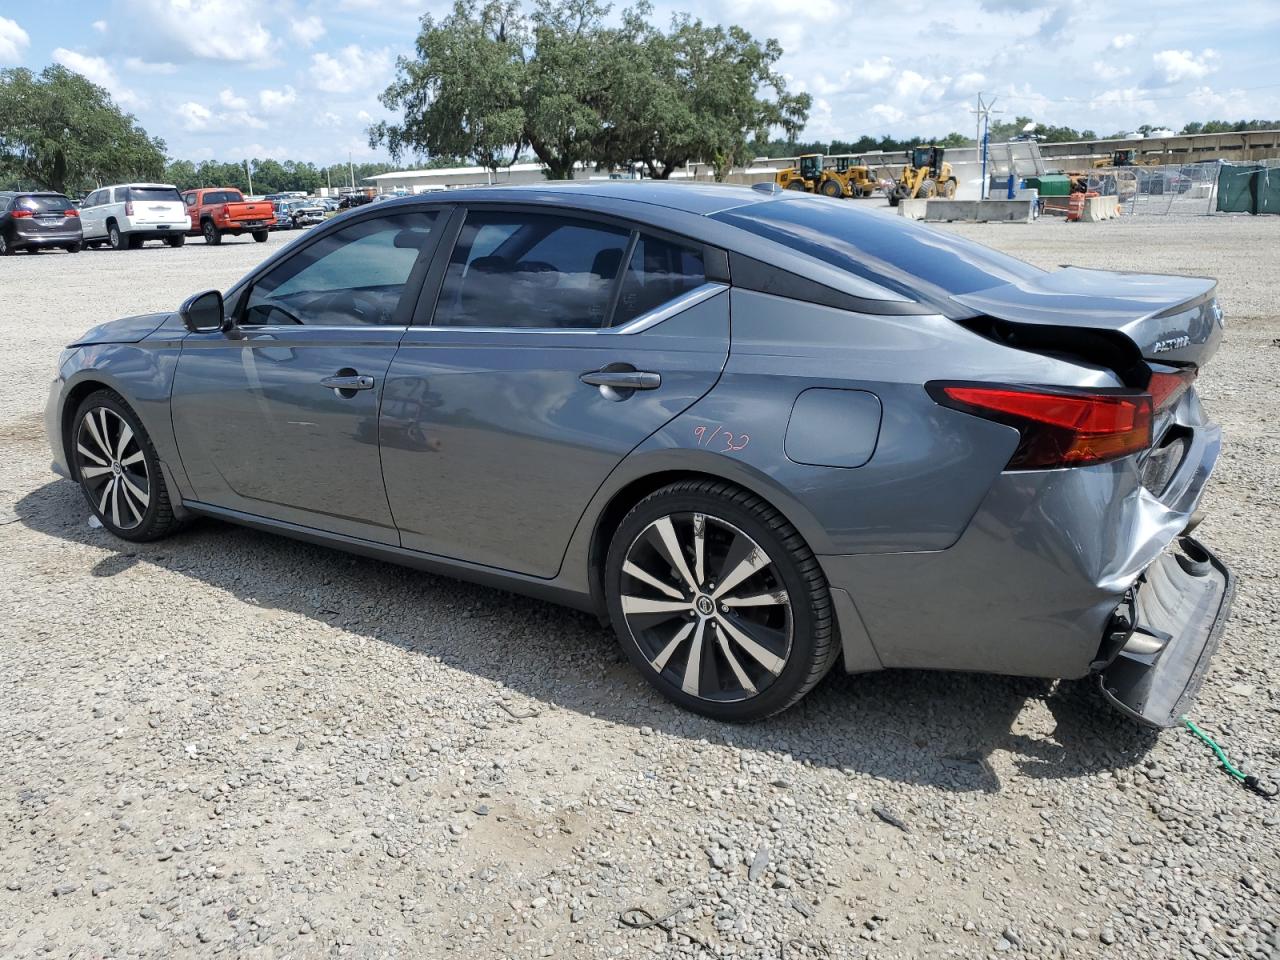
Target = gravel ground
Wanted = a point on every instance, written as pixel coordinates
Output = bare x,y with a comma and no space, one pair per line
229,743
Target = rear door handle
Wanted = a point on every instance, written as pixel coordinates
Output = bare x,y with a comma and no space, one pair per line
623,379
355,382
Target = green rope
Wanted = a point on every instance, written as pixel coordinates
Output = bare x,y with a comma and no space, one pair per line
1227,765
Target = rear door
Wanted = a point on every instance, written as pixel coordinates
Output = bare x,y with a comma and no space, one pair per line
558,343
278,417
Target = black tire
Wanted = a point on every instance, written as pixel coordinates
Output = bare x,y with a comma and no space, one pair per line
212,235
117,240
74,247
6,248
790,572
260,236
797,185
177,241
135,242
31,250
119,514
894,199
831,188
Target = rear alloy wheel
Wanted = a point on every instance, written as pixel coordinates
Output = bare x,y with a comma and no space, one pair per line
212,235
115,239
118,469
719,602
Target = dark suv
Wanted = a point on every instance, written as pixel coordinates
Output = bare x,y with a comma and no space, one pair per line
29,221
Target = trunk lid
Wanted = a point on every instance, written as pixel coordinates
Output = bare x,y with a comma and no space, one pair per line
250,210
1168,319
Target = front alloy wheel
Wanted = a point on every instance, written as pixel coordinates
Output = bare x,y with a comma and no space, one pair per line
718,601
118,469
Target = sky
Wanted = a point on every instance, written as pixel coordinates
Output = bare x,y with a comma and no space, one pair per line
299,79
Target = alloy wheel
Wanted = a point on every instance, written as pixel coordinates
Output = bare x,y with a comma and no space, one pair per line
113,468
706,606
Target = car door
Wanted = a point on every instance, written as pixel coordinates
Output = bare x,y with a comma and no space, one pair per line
558,343
277,417
91,215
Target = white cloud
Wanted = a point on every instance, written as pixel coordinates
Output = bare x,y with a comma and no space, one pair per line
272,101
1109,72
887,114
873,71
1122,40
1178,65
364,116
353,68
100,26
97,70
229,30
229,100
194,116
910,84
138,65
968,83
13,40
307,30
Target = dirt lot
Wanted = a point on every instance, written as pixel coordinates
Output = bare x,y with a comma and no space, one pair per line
229,743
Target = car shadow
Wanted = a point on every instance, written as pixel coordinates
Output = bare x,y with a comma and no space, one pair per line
922,727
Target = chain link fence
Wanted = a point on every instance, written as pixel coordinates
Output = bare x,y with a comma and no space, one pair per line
1188,189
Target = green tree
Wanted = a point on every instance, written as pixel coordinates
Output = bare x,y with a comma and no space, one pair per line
60,132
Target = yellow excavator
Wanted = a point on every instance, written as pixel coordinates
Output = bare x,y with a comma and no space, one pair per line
926,175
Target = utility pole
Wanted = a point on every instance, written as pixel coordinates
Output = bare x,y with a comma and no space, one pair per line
249,174
983,117
351,170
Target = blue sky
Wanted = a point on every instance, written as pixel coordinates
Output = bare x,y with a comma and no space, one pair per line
299,79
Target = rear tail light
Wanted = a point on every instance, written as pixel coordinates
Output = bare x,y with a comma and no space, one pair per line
128,208
71,213
1166,387
19,214
1059,427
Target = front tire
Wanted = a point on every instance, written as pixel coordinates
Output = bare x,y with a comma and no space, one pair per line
118,469
831,188
719,602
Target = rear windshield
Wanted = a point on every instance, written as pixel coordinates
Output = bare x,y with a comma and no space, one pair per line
896,253
223,196
47,203
137,194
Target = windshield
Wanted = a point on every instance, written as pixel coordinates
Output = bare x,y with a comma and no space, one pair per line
153,194
913,260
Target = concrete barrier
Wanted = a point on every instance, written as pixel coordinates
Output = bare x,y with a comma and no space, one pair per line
1100,208
912,209
980,211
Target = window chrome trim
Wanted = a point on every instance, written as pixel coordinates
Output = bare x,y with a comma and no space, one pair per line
641,323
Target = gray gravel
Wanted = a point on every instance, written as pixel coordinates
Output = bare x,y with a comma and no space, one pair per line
232,744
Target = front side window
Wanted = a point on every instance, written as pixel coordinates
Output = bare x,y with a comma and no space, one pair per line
531,270
354,275
659,271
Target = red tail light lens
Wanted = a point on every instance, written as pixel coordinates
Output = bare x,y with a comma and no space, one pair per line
20,213
1166,388
1059,428
128,208
71,212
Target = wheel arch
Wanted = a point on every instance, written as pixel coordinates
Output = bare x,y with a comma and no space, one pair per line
71,401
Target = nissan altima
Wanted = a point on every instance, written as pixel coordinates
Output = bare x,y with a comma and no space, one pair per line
757,431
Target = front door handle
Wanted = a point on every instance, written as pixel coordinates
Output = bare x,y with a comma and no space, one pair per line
623,379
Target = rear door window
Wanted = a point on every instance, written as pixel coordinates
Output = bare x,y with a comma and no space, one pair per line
531,270
658,272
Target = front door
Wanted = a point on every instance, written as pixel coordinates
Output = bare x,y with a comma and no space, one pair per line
557,346
279,416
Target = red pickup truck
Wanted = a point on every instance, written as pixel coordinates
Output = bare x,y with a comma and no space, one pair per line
217,211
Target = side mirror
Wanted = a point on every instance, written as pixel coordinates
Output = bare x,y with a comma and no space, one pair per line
203,313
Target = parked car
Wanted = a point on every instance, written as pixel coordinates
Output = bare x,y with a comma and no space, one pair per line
304,213
907,450
354,198
329,204
225,212
126,216
280,211
30,221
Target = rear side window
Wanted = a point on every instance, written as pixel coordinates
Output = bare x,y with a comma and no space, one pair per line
221,196
902,256
659,271
45,204
531,270
153,194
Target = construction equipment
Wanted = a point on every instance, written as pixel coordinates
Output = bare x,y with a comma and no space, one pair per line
858,181
812,176
1121,158
926,175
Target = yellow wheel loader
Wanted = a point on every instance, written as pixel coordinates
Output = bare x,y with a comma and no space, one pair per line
812,177
858,181
926,175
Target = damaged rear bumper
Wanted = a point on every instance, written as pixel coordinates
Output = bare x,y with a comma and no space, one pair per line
1179,607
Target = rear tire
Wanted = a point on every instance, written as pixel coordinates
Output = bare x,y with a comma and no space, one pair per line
74,247
260,236
118,469
177,241
115,239
949,189
6,248
757,646
212,235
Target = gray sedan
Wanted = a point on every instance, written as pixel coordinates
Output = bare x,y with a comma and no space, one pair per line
758,432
